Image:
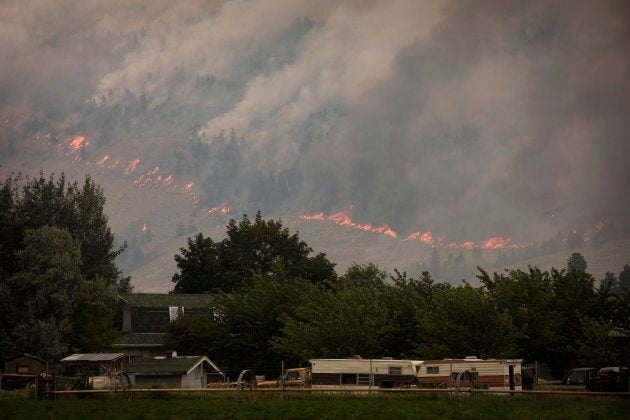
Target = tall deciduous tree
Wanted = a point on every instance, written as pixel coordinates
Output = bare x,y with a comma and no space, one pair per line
199,267
466,321
243,323
58,279
29,203
43,291
249,248
347,319
529,299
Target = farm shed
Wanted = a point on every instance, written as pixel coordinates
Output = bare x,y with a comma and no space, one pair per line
24,364
146,317
89,364
20,371
172,372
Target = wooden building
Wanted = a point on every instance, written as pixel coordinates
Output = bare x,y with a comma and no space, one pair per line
172,372
24,364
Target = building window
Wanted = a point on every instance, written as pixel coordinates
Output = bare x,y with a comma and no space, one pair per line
395,370
23,370
173,312
433,369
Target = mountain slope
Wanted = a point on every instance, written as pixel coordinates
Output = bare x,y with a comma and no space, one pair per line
155,212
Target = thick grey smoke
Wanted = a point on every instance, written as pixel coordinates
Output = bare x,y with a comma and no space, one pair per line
465,118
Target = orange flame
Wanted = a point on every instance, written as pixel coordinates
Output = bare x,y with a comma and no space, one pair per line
222,209
495,242
132,166
316,216
344,218
102,161
425,237
76,143
593,230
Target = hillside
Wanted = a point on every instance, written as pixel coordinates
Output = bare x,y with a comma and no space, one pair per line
156,214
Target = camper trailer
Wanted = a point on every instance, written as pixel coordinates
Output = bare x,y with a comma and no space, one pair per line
358,373
492,374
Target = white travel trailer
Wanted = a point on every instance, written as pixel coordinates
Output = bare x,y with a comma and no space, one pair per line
493,374
357,373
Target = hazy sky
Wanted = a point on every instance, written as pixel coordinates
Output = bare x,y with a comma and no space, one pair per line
472,118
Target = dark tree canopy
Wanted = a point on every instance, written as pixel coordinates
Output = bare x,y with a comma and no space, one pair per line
30,203
250,247
58,279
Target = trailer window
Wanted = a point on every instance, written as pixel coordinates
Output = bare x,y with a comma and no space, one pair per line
348,379
433,369
395,370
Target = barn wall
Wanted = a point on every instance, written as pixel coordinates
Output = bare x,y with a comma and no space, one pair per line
195,379
162,381
35,366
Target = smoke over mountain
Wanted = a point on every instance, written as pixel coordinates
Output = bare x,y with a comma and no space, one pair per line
465,118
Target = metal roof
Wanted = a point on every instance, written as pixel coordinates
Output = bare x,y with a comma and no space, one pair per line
26,355
140,340
93,357
162,300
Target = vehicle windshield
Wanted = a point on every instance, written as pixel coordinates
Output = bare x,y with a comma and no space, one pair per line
574,378
293,376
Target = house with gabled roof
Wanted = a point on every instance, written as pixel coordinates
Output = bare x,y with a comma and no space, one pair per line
146,317
172,372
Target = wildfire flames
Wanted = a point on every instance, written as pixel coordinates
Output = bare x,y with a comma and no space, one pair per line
73,147
592,231
77,142
132,166
344,218
223,209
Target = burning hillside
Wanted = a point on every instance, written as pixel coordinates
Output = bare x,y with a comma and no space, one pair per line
448,125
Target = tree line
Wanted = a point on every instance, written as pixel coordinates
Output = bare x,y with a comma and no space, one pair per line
273,302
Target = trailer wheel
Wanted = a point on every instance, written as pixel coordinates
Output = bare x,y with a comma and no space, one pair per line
31,387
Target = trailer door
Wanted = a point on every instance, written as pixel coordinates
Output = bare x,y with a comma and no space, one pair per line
511,375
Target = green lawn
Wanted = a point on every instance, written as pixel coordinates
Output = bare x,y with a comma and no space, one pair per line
322,407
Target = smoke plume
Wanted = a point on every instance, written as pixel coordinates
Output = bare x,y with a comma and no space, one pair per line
465,118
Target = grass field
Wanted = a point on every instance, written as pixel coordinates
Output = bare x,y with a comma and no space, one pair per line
320,407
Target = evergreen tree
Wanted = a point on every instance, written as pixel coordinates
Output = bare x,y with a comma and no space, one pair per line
576,262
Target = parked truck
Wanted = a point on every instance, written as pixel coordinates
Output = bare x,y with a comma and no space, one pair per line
351,373
291,378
